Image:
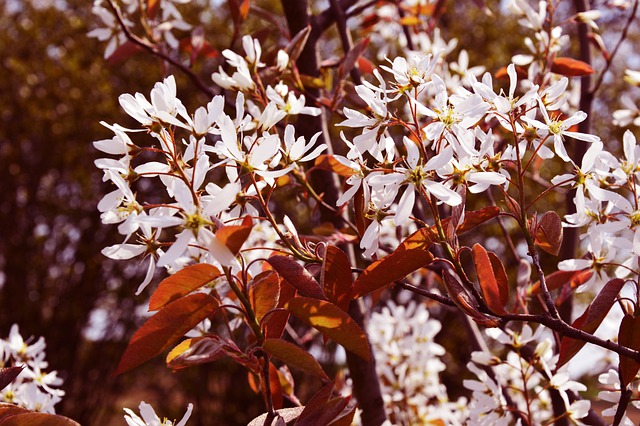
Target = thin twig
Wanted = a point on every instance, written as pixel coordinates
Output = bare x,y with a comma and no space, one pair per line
157,52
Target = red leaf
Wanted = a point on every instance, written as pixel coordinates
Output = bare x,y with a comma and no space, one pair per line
591,319
462,299
629,336
560,279
322,409
333,322
472,219
571,67
123,52
182,283
297,43
152,8
8,375
351,58
365,65
12,415
276,321
287,414
411,255
201,350
548,233
264,293
294,356
165,328
297,276
234,236
495,295
336,277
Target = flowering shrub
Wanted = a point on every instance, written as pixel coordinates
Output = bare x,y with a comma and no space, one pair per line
429,149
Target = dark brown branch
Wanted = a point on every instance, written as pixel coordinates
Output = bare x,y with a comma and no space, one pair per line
345,36
157,52
422,292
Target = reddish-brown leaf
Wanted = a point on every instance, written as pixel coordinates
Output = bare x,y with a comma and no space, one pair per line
560,279
472,219
327,162
411,255
8,375
322,409
200,350
336,277
275,322
629,336
293,356
244,7
494,296
333,322
591,319
182,283
12,415
297,276
264,293
287,414
297,43
548,233
464,301
165,328
571,67
501,278
152,8
234,236
365,65
351,58
123,52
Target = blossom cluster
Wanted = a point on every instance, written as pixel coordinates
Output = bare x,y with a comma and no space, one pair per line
520,383
408,362
34,388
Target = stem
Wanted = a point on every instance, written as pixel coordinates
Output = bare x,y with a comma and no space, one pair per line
246,304
157,52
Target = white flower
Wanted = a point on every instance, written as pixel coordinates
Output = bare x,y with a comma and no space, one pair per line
150,418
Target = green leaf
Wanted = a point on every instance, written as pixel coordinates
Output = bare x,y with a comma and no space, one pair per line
336,277
629,336
411,255
294,356
590,319
333,322
165,328
182,283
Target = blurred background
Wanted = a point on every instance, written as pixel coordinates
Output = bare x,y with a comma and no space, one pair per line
55,88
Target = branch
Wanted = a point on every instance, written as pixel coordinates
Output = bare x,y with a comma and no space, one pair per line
157,52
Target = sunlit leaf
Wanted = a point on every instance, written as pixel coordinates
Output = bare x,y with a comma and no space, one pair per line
548,233
234,236
276,321
264,293
629,336
560,279
336,277
571,67
411,255
296,275
293,356
165,328
200,350
333,322
496,294
182,283
591,319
